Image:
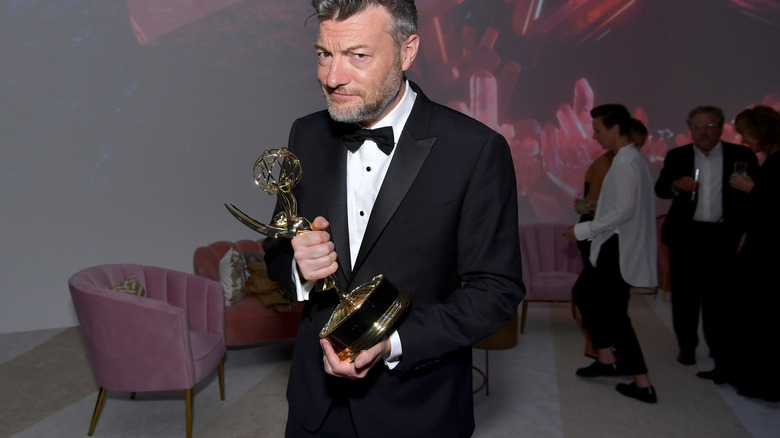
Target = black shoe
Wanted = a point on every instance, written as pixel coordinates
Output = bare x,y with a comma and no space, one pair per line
766,395
646,395
715,375
598,369
686,357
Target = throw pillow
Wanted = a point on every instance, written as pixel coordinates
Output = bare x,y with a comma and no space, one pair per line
232,276
258,282
130,286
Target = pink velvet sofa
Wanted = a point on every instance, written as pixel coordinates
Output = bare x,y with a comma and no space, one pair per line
248,321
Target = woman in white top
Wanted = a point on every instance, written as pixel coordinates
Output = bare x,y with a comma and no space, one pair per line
622,254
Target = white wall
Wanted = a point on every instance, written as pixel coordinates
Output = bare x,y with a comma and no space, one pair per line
112,151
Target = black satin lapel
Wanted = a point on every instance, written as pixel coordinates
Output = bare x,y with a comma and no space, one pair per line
406,164
337,208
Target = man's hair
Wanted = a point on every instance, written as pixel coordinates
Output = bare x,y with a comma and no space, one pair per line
762,122
403,12
613,114
637,128
706,109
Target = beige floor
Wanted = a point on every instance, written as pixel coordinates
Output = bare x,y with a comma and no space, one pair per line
48,390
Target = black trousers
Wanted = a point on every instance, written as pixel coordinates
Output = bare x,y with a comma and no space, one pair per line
602,297
700,272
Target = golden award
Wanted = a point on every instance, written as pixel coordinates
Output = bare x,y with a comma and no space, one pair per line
363,315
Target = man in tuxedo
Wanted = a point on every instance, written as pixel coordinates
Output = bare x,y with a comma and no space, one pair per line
433,207
703,229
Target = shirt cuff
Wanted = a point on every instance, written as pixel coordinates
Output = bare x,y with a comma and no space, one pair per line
394,358
581,230
302,288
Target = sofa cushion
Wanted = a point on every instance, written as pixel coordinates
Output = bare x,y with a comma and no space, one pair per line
130,286
232,276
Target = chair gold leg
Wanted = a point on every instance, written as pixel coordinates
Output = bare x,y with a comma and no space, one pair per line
522,319
96,414
189,413
487,373
221,374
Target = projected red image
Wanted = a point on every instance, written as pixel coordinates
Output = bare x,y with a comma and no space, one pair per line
490,59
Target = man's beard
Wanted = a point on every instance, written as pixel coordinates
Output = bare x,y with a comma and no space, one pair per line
373,105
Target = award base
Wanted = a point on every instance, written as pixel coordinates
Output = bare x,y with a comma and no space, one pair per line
363,316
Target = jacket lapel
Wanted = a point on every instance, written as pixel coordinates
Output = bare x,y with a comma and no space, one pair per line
335,178
413,148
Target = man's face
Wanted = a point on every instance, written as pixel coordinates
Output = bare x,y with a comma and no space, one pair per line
360,67
705,131
606,137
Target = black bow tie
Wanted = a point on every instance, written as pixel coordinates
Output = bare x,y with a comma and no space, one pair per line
383,137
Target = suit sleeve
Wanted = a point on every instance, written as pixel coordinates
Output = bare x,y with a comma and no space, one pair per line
488,264
279,252
669,174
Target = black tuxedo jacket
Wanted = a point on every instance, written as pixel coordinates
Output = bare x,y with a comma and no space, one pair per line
679,162
444,227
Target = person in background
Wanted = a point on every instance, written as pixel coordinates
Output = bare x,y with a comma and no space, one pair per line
638,133
586,206
702,230
402,186
754,353
622,254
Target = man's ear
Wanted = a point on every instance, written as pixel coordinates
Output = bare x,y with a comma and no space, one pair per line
409,51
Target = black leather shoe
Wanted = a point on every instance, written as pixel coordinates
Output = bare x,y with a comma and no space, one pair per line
646,395
598,369
715,375
766,395
686,357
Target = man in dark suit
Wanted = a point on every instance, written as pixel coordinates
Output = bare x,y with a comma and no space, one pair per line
436,214
703,229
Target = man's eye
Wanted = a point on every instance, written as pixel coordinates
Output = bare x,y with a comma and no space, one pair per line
323,55
359,55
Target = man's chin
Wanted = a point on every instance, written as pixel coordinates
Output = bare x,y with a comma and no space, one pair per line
345,114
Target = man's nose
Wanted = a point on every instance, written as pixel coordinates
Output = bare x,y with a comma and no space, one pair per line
337,73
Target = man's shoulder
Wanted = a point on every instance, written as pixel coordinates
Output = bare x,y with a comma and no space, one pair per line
736,148
450,118
680,153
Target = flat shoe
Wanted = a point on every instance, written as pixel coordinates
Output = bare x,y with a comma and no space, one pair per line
646,395
715,375
686,357
598,369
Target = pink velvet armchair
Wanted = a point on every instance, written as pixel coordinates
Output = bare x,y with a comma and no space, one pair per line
168,340
248,321
551,265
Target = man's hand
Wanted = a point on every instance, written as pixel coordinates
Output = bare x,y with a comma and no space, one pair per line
314,252
742,183
684,184
360,366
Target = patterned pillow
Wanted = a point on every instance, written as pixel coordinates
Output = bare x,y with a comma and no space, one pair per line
130,286
232,276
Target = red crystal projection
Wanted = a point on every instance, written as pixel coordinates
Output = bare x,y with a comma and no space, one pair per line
764,10
574,20
153,18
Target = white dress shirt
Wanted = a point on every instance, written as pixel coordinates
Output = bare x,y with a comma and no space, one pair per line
366,170
627,207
